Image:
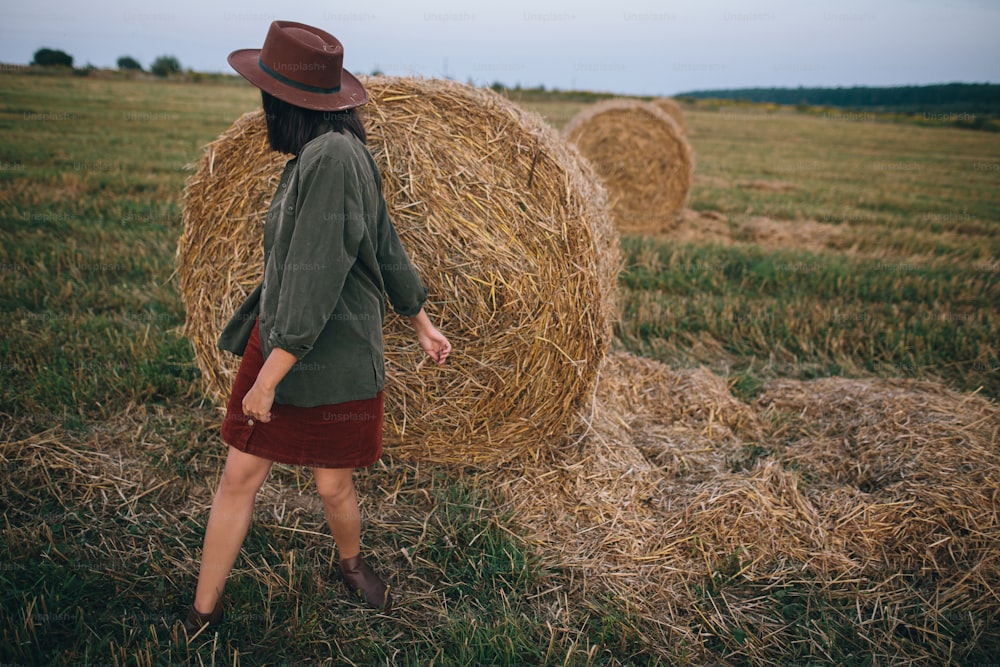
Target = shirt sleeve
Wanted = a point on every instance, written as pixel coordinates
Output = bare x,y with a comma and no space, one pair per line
322,249
403,286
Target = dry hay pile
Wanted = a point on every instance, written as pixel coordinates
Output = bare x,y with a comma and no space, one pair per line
670,106
641,156
828,520
910,470
507,226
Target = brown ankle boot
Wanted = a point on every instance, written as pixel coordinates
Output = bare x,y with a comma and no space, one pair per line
196,620
362,582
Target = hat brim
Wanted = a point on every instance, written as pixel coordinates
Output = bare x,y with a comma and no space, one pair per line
351,94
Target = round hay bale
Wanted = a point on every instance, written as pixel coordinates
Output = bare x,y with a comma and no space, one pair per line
670,106
641,156
510,231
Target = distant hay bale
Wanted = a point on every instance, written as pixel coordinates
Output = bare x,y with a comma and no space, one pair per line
670,106
641,156
508,227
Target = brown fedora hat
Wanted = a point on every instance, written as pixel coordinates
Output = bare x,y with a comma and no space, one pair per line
301,65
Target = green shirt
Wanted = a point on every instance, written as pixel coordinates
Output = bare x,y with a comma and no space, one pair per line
330,252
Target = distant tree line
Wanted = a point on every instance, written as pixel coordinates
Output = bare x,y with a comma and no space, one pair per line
162,66
964,97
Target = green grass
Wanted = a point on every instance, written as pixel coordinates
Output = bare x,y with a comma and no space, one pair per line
110,452
874,177
90,219
802,314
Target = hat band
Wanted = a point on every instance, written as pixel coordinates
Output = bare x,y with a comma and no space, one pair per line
293,83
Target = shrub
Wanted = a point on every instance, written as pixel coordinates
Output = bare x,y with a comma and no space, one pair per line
45,56
86,70
128,62
165,66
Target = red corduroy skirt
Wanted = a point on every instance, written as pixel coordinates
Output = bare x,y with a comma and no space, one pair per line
342,435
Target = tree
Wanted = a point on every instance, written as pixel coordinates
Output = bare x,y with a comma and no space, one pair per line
165,66
128,62
46,56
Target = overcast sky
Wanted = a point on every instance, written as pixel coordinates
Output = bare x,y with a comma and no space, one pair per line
621,46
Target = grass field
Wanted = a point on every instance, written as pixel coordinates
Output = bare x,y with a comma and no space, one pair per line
815,247
834,247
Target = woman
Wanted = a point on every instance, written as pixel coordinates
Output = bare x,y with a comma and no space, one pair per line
309,388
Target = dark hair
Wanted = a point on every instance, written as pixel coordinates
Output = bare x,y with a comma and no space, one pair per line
290,127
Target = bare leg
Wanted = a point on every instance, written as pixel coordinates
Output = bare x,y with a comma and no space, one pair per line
340,504
228,523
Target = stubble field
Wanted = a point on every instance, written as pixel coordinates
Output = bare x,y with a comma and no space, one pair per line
814,247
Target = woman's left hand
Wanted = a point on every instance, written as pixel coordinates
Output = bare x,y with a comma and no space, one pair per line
257,403
434,343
